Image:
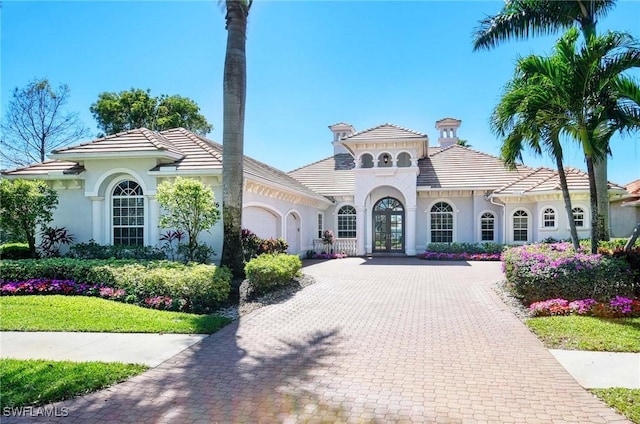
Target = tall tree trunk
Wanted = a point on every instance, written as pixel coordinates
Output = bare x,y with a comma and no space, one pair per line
235,81
632,239
595,237
602,190
567,204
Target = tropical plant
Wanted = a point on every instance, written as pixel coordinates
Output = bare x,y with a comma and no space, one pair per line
188,206
52,238
521,18
529,115
234,86
26,205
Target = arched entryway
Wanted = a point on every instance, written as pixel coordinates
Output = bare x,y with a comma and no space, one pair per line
388,226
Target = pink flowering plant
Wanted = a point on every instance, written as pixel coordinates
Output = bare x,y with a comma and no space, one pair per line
538,272
616,307
442,256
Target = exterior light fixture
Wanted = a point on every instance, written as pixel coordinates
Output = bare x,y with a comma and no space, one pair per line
385,158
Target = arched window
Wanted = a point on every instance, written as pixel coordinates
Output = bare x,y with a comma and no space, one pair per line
520,225
128,214
548,218
487,226
441,223
578,216
347,222
366,161
404,160
385,160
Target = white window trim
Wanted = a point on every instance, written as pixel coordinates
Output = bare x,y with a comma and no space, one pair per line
495,226
335,217
320,228
556,218
529,225
455,219
586,219
109,209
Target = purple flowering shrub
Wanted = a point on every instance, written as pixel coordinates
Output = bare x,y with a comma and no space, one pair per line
538,272
43,286
329,256
442,256
617,307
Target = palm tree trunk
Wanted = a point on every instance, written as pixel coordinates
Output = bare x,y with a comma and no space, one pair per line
235,78
632,239
567,204
594,205
602,190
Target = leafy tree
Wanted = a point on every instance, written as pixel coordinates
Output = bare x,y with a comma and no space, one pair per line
136,108
36,123
234,93
26,204
520,18
188,206
463,143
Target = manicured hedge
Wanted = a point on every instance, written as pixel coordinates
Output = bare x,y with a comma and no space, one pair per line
14,251
199,288
546,271
269,271
469,248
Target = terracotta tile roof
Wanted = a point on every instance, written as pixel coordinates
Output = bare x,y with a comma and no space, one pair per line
546,180
384,132
46,168
197,155
138,140
323,177
461,167
633,187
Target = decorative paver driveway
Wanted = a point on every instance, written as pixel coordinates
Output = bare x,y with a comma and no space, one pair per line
383,340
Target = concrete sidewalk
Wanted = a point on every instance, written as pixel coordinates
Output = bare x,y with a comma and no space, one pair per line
147,349
593,370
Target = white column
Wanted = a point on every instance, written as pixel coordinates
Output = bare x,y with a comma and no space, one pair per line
410,232
152,221
360,230
97,219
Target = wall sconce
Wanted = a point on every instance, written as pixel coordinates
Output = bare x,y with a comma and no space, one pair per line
385,158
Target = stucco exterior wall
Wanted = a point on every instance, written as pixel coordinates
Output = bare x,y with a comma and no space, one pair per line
623,219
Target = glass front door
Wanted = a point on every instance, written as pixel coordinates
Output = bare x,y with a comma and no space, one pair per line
388,226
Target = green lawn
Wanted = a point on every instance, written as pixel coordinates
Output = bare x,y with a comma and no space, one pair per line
38,382
625,401
81,313
588,333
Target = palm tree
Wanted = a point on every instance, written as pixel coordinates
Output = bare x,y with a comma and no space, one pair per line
464,143
520,18
528,114
593,96
235,82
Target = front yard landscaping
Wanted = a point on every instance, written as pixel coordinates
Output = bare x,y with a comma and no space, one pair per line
81,313
39,382
581,301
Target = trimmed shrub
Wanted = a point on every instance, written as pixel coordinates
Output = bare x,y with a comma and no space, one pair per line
465,248
253,246
268,271
196,287
548,271
201,288
93,250
15,251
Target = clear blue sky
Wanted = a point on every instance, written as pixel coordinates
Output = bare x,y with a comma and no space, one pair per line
310,64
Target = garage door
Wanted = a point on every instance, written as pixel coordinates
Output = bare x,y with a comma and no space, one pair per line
261,221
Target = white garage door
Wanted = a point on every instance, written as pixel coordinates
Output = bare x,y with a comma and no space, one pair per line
262,222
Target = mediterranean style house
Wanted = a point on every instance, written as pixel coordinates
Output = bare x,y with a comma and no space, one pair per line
384,190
